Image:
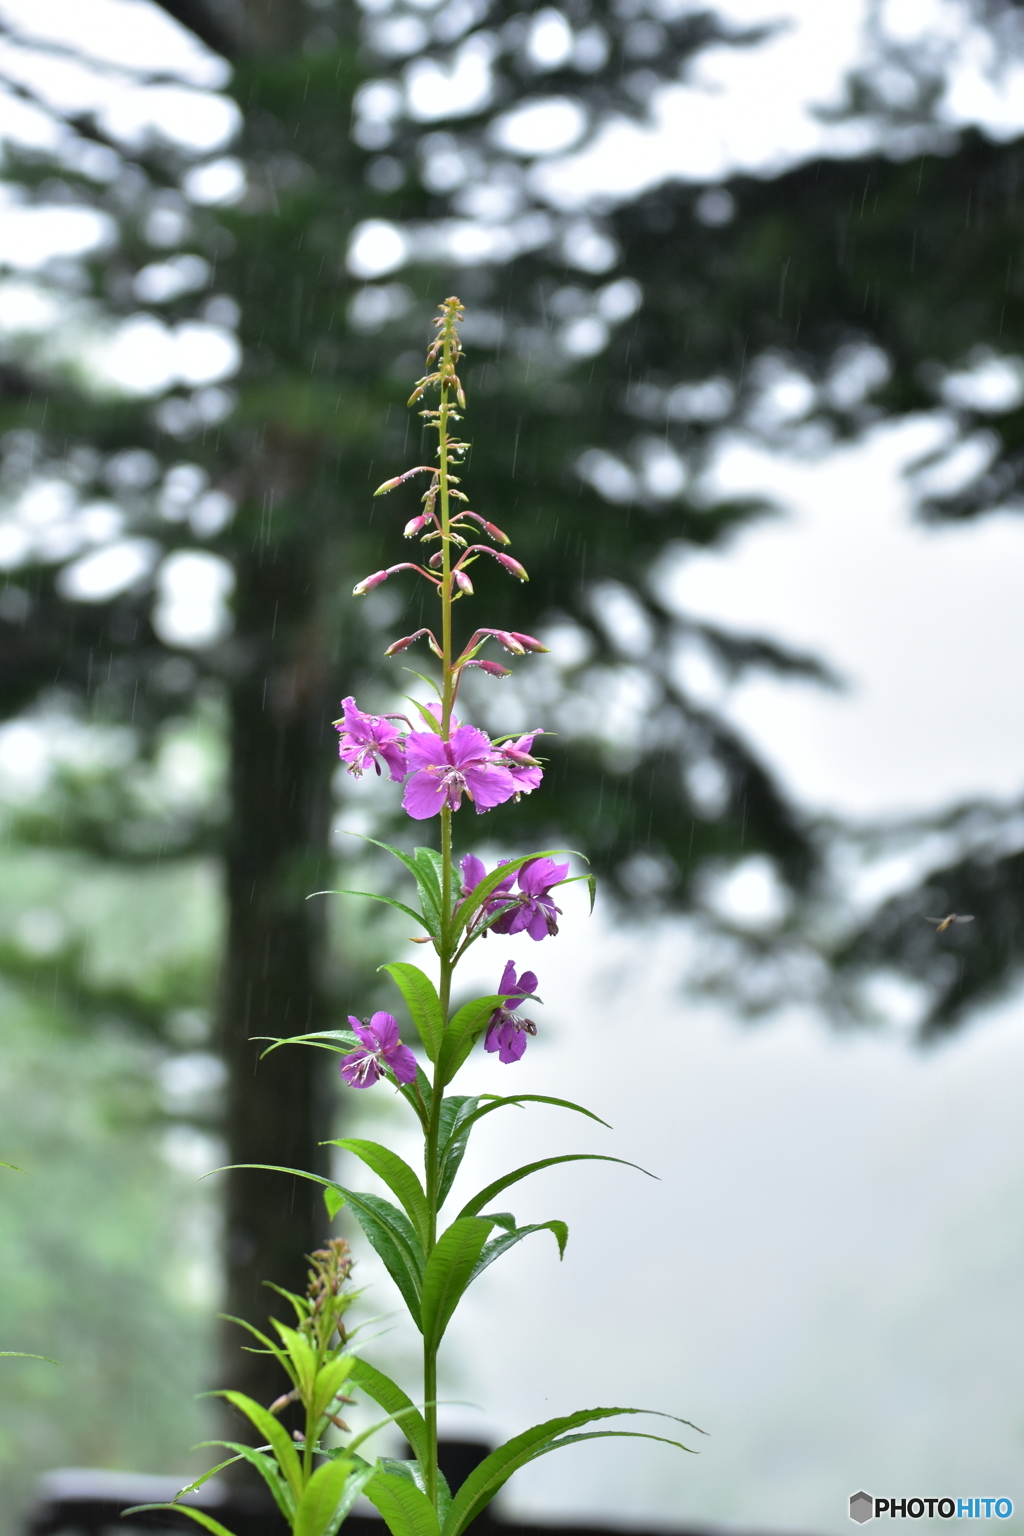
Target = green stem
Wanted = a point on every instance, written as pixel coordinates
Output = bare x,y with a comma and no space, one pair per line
430,1472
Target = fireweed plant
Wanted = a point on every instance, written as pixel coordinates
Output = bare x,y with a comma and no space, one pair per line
442,764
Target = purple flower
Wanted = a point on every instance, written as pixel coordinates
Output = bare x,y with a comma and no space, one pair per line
473,871
534,909
363,738
507,1030
383,1050
524,768
444,770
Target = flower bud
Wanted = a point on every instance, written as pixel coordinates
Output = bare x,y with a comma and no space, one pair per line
414,524
369,582
492,668
463,582
528,643
400,645
494,532
512,566
436,560
509,641
389,485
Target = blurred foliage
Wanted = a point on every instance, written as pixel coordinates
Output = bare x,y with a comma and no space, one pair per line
109,1253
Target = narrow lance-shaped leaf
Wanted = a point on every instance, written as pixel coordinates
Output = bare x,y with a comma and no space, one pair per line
448,1272
275,1434
198,1515
396,1174
499,1245
417,917
422,1001
315,1511
406,1511
463,1032
389,1395
495,1470
389,1230
472,1207
265,1465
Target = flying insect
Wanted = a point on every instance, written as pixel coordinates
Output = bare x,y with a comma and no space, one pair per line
942,923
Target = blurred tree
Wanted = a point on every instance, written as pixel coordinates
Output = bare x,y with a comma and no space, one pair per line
326,367
608,353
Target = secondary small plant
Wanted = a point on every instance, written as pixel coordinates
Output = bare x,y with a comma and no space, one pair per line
443,765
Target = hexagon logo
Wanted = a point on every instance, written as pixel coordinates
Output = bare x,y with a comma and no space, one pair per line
862,1507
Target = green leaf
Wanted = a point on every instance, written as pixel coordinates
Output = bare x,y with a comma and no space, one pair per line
268,1344
430,883
265,1465
419,1096
329,1381
491,1475
462,1034
422,1001
397,1175
479,1201
357,1481
448,1271
276,1436
413,1470
389,1396
390,1232
463,1122
19,1354
13,1167
430,721
389,901
406,1511
452,1140
315,1511
198,1515
499,1245
394,1239
341,1040
333,1200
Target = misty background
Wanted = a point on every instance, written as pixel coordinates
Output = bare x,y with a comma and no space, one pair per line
826,1276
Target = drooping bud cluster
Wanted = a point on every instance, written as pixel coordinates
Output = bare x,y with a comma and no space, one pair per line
447,568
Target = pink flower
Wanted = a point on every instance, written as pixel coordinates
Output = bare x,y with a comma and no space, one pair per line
383,1051
524,768
364,738
445,770
507,1031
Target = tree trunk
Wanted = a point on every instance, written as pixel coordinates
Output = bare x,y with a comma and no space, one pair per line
272,981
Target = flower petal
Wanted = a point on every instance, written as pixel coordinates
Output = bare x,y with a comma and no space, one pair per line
425,750
385,1028
424,796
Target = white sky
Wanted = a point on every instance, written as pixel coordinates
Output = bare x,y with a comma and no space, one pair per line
828,1276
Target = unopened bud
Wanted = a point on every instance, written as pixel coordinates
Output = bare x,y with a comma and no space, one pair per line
492,668
369,582
512,566
494,532
389,485
463,582
509,641
414,524
407,640
436,560
528,643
